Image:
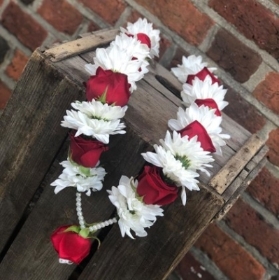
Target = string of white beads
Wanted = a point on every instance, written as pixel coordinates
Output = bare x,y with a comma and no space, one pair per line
79,210
103,224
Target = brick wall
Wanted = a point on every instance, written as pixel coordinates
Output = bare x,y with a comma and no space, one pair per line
241,37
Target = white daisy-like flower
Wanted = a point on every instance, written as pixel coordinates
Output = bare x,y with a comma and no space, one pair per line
191,65
180,158
95,119
207,118
204,90
82,178
131,46
116,59
141,26
133,213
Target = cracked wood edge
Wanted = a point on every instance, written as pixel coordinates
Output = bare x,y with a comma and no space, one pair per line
81,45
221,181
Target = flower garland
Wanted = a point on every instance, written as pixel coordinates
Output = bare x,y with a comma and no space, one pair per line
174,164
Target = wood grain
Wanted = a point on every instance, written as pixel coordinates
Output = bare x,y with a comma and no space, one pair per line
228,173
32,145
154,256
30,137
78,46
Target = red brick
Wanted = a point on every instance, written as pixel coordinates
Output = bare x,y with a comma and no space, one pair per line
229,256
265,189
252,19
190,269
255,230
134,16
109,10
243,112
63,16
92,27
5,94
23,26
164,45
267,91
182,17
17,64
273,144
233,56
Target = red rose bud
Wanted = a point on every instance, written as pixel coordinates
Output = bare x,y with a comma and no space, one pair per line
202,75
111,86
195,128
209,102
86,152
153,189
69,245
144,39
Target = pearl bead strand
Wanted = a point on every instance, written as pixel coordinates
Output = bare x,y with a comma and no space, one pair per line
79,211
102,224
81,218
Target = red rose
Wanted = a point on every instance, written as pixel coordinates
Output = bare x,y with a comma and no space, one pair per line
69,245
86,152
153,189
144,39
113,86
202,75
209,102
196,128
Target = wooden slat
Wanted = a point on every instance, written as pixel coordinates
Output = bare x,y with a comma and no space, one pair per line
228,173
81,45
154,256
30,136
240,187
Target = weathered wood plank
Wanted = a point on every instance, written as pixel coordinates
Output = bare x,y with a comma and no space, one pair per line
78,46
240,185
37,259
30,136
154,256
228,173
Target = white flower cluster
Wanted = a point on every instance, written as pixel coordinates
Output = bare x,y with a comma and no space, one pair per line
84,179
97,119
183,153
132,212
181,156
127,54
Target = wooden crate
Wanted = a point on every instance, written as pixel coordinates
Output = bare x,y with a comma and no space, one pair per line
32,143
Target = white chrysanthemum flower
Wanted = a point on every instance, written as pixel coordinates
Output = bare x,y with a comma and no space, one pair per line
180,158
133,213
131,46
207,118
80,177
142,26
116,59
191,65
95,119
204,90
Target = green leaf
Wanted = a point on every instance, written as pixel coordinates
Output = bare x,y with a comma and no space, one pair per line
73,228
103,97
96,238
84,232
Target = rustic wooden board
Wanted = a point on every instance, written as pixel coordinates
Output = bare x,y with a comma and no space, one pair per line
30,136
228,173
37,259
154,256
78,46
40,134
